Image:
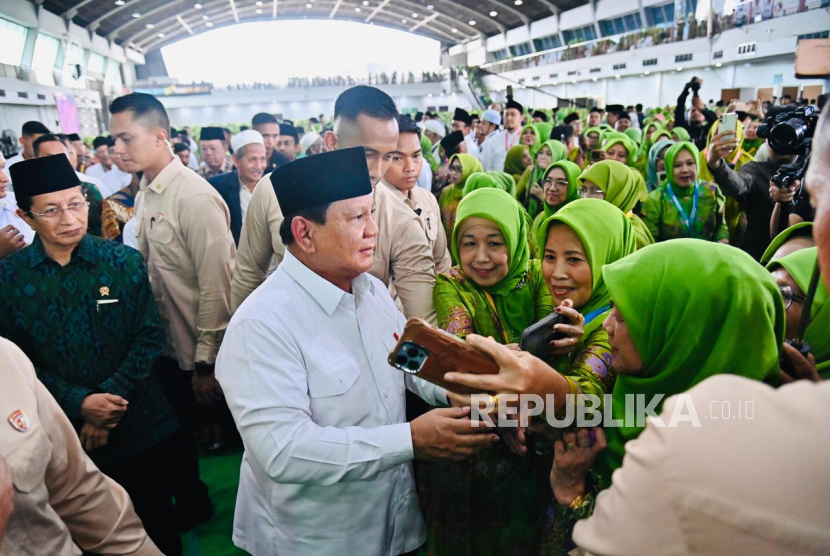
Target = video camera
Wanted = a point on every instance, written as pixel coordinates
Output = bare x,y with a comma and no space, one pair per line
790,131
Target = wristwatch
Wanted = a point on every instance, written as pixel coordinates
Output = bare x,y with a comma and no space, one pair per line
205,369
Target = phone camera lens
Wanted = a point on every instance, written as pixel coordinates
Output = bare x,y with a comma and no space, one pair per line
412,352
401,360
412,365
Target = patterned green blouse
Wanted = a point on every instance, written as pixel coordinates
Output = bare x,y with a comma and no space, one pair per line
664,222
99,320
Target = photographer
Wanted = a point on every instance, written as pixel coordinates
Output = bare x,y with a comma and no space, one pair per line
699,119
793,207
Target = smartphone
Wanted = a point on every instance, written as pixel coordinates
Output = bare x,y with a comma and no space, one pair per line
536,338
742,107
429,353
728,122
597,155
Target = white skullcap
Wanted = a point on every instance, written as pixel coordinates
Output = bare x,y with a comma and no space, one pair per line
492,116
436,127
308,139
246,138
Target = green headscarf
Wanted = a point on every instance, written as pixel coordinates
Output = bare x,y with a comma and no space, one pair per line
652,182
798,230
625,141
634,134
426,150
606,235
800,265
572,172
648,133
499,207
558,151
596,130
544,130
619,183
537,143
671,154
680,134
497,180
690,307
654,136
469,166
513,161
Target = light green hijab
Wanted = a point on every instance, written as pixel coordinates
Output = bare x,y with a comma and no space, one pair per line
537,144
497,180
634,134
469,166
558,151
671,154
619,183
544,130
798,230
513,161
690,307
680,134
800,265
655,136
572,172
625,141
606,235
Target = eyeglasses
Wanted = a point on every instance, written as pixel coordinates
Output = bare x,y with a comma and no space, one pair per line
591,193
555,184
789,296
79,207
456,169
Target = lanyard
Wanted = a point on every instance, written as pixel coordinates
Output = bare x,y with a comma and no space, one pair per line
595,313
687,220
507,136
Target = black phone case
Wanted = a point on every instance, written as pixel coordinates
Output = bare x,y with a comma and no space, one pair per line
536,338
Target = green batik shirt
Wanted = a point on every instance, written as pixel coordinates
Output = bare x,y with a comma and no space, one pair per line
90,327
663,220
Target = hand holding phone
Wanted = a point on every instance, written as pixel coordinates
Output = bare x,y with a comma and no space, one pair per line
728,123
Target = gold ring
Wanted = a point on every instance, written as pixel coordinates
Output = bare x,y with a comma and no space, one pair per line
495,401
569,446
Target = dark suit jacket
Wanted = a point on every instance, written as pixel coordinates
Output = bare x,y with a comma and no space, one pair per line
227,185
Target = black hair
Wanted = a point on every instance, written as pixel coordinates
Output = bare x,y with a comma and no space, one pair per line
99,142
244,128
365,100
143,106
180,147
540,114
623,115
639,107
74,137
562,133
34,128
787,96
596,109
47,138
419,116
316,214
263,118
313,121
407,125
299,129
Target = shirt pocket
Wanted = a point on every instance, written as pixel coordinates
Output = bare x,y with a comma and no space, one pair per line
160,236
333,380
28,461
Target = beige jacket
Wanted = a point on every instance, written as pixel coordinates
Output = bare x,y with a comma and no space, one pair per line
183,229
403,255
59,494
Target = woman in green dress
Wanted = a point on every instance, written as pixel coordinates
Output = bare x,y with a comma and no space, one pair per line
793,273
559,186
461,167
685,206
492,503
621,186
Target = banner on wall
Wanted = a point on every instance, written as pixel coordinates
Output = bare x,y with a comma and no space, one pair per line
67,112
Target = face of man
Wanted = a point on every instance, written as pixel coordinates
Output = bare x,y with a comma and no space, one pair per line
623,124
433,137
251,163
460,126
406,163
103,156
27,142
271,137
594,119
184,156
51,148
378,137
578,127
486,128
611,118
58,227
696,117
512,119
138,143
288,146
80,148
213,153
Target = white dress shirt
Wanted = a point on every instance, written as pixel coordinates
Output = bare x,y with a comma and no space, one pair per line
8,215
97,170
425,177
11,162
326,469
244,198
99,184
115,180
495,147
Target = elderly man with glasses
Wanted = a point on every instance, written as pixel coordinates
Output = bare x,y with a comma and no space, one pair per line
82,310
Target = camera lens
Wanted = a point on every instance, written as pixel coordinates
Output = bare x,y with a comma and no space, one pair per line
786,136
412,365
412,352
401,360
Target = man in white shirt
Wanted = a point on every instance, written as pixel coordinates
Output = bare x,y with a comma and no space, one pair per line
494,150
462,121
100,145
304,370
488,126
30,133
435,130
15,233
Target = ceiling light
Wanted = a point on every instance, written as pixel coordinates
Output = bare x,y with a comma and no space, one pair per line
259,3
205,17
161,35
555,83
573,81
718,65
430,95
365,2
430,7
308,6
494,13
197,6
259,11
518,2
119,2
136,14
403,21
646,72
454,30
595,78
473,22
617,75
209,24
149,26
357,10
679,68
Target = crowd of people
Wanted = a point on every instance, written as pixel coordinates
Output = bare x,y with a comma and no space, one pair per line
248,289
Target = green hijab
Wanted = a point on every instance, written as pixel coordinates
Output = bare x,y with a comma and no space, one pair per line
544,130
653,182
680,134
513,161
499,207
798,230
800,265
618,181
690,307
606,235
469,166
537,143
634,134
426,149
596,130
625,141
497,180
655,136
558,151
572,172
671,154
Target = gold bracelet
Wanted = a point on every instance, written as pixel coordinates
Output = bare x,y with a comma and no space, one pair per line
577,501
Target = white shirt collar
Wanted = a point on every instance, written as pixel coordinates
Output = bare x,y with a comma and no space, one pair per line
326,294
